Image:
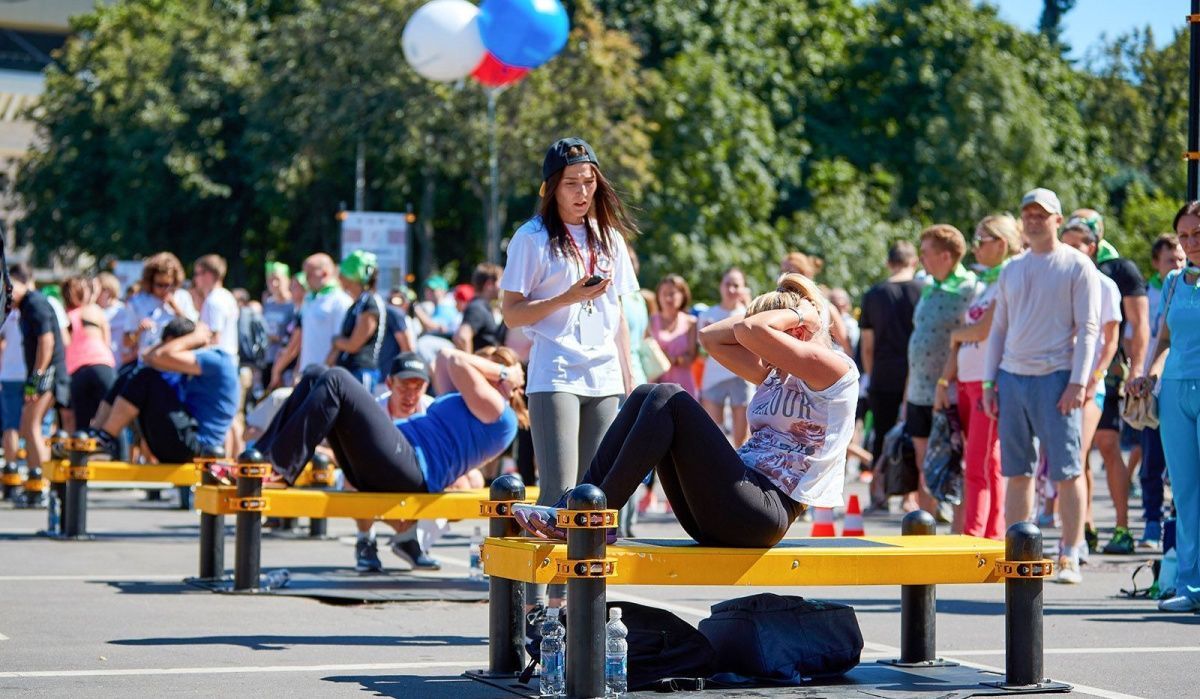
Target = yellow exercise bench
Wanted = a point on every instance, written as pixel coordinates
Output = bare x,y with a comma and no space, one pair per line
917,561
249,501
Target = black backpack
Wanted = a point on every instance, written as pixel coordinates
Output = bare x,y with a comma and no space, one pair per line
252,337
665,652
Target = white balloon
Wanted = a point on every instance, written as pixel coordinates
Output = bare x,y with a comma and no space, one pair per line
441,40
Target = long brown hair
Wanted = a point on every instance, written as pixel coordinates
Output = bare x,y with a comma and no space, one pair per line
609,215
506,357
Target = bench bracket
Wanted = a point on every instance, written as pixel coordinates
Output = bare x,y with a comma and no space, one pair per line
587,519
496,508
1025,570
587,568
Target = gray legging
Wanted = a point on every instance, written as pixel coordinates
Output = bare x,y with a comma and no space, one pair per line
567,430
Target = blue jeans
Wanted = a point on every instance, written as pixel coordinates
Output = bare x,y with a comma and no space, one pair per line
1028,409
1179,422
12,401
1151,474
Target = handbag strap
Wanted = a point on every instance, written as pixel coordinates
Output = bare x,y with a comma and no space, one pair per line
1162,320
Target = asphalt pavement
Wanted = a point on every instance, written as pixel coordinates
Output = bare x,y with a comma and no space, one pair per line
111,617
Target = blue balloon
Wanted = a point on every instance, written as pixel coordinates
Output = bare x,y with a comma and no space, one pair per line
523,33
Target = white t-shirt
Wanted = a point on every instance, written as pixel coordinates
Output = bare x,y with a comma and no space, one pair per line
714,371
13,368
798,436
143,305
423,403
115,315
321,321
559,360
972,355
1110,312
220,313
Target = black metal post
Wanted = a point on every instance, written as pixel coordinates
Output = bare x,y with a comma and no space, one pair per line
585,630
918,603
75,508
248,556
1193,133
322,473
212,527
506,598
1023,609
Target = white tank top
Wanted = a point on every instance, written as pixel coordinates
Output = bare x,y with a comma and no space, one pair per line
798,436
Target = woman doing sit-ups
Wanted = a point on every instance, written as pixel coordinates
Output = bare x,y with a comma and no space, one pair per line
425,453
801,419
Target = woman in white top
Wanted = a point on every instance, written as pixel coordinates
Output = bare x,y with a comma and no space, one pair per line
567,269
801,419
720,385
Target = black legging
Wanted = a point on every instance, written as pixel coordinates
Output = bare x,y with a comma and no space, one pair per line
89,385
331,404
718,500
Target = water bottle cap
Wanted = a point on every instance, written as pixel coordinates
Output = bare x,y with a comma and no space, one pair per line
614,613
552,612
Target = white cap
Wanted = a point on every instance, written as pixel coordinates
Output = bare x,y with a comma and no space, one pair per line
614,613
1044,198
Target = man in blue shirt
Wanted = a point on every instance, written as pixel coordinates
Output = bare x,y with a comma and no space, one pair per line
184,397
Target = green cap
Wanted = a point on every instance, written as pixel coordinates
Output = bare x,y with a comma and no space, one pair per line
52,290
359,266
437,283
278,268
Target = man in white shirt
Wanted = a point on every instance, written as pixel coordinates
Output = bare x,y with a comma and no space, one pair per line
1039,356
220,310
320,319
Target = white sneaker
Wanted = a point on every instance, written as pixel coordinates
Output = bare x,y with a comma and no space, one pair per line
1179,603
1068,571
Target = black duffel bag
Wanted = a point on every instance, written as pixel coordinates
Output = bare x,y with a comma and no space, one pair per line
899,461
783,639
665,652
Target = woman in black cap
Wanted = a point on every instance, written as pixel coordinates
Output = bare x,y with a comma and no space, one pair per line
567,269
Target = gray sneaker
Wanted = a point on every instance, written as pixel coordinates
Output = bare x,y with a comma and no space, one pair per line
1179,603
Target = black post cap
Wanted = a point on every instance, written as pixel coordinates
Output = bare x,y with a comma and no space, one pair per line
507,487
62,434
81,435
251,456
918,522
320,461
212,451
1023,542
587,497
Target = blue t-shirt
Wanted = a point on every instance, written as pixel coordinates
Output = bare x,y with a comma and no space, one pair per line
450,441
1183,321
212,397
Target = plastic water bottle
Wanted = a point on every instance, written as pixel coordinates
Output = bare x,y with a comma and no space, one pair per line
616,654
553,678
276,579
476,556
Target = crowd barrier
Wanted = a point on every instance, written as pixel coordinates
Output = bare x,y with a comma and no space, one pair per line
917,561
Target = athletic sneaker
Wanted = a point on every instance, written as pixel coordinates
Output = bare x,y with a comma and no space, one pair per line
366,554
106,445
1179,603
1068,571
1092,538
1151,537
410,552
1121,543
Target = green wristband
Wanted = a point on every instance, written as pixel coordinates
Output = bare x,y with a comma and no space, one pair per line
988,384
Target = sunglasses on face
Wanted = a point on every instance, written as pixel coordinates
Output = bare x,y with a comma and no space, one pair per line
984,240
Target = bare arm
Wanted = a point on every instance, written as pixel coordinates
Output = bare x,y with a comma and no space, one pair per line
978,332
1112,339
364,328
179,355
473,376
1137,314
624,353
286,356
768,335
464,337
519,310
721,344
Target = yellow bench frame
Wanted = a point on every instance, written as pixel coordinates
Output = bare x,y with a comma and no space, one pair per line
290,502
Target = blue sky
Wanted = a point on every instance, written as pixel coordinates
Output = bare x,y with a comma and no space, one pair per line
1090,19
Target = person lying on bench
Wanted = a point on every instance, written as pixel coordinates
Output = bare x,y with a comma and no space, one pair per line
801,419
423,454
183,396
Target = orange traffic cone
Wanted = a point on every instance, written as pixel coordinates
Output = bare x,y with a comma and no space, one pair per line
823,522
853,524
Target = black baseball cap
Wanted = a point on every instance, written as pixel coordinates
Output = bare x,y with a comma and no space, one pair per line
558,157
409,365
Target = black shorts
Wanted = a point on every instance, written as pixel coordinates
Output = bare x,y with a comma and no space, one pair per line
1110,417
918,419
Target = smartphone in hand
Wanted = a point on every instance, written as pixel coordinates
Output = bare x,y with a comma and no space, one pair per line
593,280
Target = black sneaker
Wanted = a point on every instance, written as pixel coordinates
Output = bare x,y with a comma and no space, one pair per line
106,445
410,552
366,554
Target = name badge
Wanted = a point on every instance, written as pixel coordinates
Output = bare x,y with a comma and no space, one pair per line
591,327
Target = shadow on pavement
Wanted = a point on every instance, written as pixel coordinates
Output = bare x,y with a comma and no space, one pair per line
266,642
408,686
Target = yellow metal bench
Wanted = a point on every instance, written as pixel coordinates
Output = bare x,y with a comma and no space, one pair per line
917,561
250,501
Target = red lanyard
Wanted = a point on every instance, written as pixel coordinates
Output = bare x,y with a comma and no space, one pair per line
591,268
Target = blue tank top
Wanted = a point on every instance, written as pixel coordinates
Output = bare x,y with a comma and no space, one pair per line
449,440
